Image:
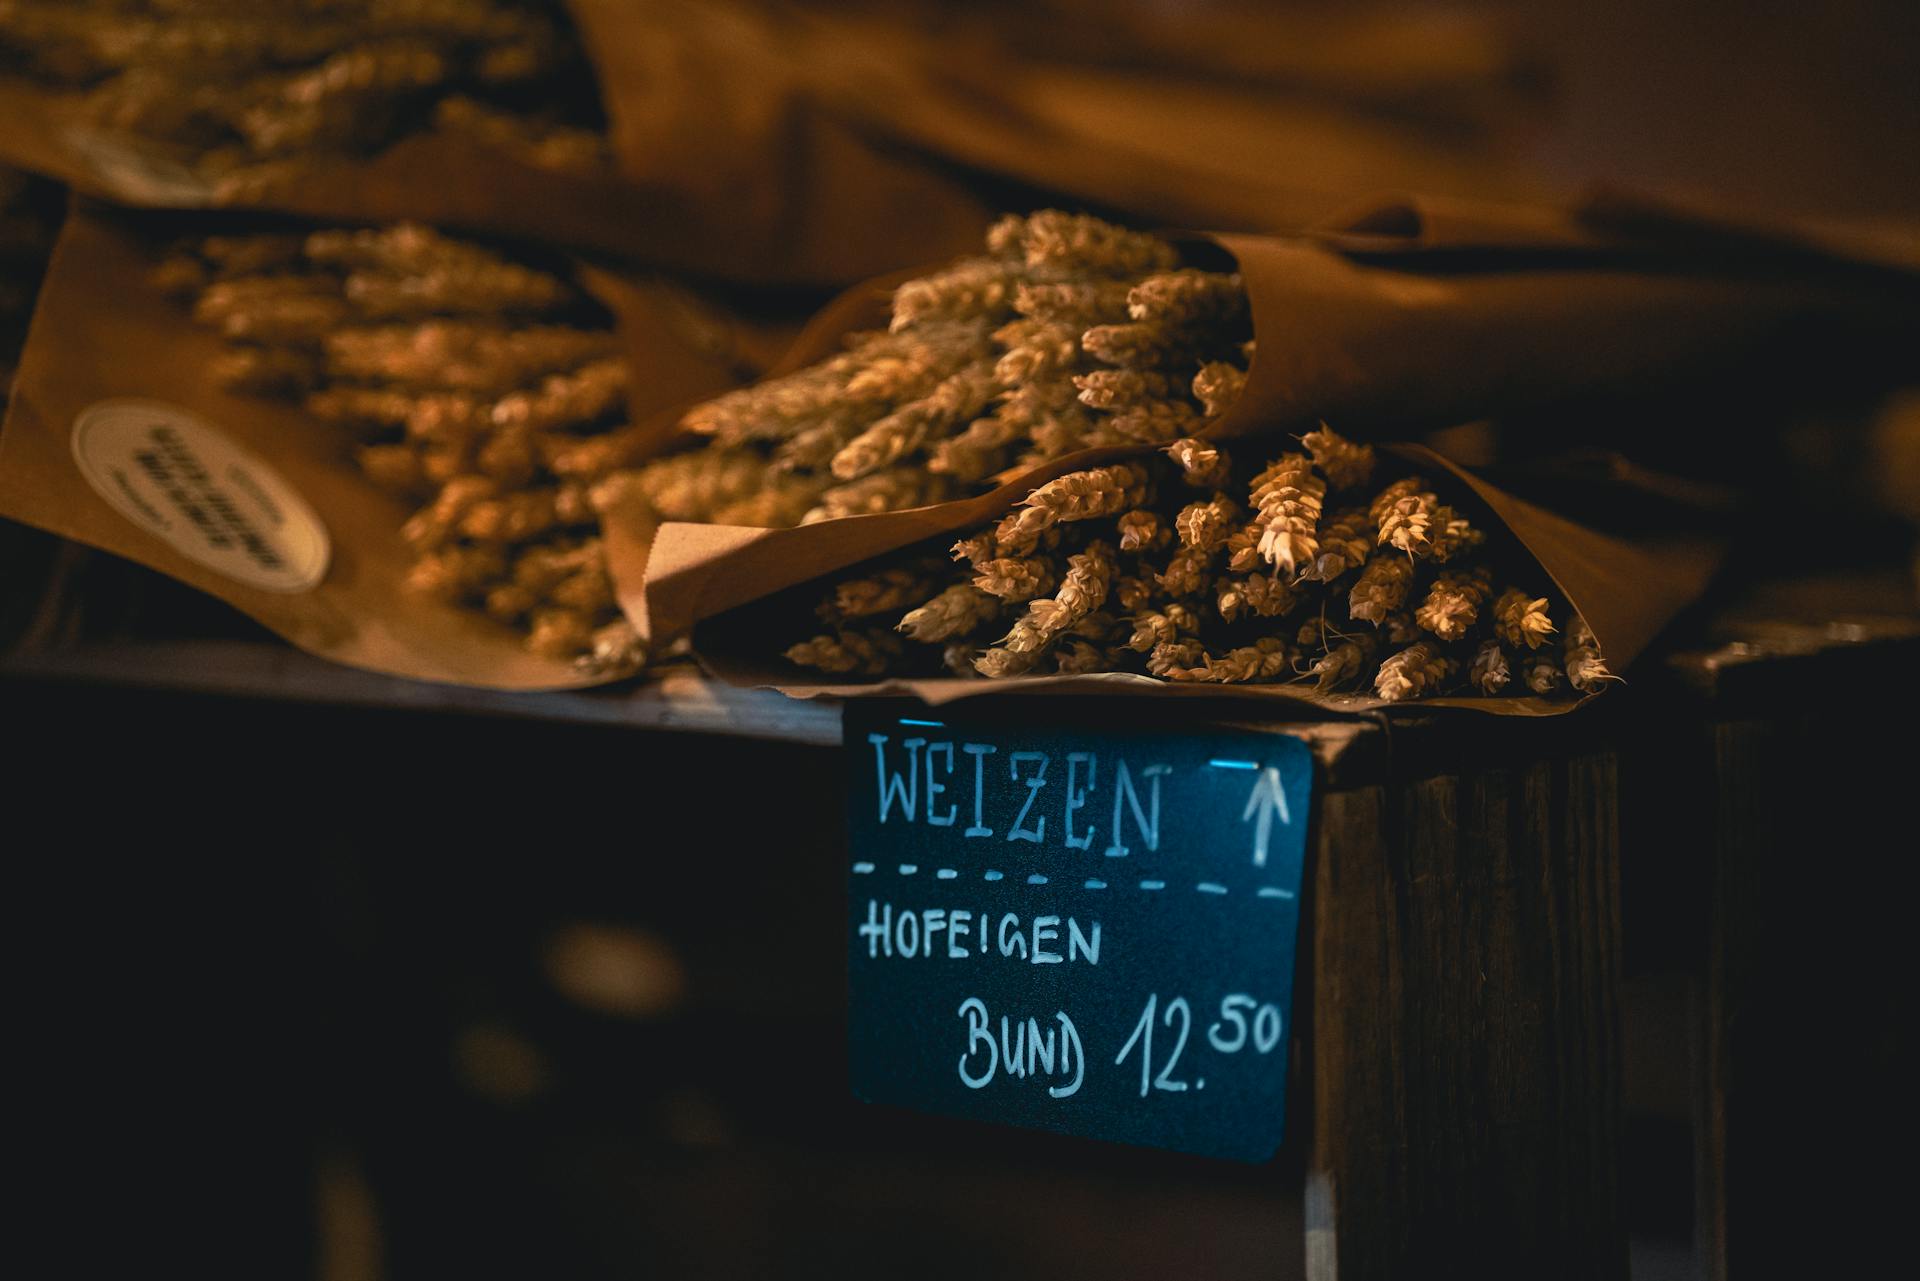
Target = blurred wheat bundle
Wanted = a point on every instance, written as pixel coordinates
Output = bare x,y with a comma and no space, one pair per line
490,391
1193,568
250,92
1068,333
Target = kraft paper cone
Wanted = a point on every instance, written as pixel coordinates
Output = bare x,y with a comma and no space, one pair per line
103,333
762,143
1627,591
1172,124
750,216
1381,335
1408,315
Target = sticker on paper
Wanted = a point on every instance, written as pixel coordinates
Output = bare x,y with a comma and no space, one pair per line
214,502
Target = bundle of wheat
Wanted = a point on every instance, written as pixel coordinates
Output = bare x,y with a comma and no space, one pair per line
489,391
1193,569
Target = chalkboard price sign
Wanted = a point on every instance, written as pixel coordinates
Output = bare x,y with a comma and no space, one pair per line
1082,930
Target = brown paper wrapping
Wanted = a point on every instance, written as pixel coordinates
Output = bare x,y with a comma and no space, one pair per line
716,108
103,331
1626,589
770,143
1413,314
1407,315
753,215
1164,119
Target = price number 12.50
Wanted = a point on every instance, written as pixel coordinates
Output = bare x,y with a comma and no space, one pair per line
1244,1023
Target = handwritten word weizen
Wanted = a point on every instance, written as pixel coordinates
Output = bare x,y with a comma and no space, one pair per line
1014,798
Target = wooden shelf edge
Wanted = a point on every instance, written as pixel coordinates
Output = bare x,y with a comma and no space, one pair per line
677,699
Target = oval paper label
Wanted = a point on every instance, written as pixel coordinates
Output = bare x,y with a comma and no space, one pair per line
211,500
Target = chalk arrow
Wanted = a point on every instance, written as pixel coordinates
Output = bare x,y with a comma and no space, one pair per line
1268,799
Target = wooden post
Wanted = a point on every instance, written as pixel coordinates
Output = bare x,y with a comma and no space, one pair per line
1463,934
1743,842
1806,1010
1795,790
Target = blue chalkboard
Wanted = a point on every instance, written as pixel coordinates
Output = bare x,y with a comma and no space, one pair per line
1089,931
